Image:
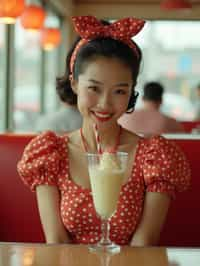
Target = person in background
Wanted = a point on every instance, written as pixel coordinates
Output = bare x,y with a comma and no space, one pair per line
68,117
103,71
196,128
197,102
149,120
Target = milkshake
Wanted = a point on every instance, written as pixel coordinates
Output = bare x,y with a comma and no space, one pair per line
106,177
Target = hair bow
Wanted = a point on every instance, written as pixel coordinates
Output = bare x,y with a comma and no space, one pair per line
88,27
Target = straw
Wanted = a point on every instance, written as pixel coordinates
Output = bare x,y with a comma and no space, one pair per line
97,137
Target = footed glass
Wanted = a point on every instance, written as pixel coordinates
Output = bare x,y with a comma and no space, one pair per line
106,173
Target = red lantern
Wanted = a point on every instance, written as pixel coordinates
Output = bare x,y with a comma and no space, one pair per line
175,4
33,17
50,38
10,10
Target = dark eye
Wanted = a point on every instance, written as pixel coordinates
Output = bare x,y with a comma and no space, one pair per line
120,91
93,88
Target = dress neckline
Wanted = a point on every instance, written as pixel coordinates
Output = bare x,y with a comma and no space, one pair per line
113,150
88,190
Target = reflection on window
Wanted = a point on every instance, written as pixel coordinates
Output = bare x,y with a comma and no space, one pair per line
27,79
171,55
2,73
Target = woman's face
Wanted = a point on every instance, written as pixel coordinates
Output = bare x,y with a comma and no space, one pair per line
103,90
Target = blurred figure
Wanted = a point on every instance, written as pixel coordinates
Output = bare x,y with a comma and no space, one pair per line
149,120
197,103
68,117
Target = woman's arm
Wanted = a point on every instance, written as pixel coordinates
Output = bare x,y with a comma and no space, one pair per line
155,210
48,203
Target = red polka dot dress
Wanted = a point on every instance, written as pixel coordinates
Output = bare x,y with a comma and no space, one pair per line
159,166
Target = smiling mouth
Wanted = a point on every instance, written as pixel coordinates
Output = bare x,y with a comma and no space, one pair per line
102,116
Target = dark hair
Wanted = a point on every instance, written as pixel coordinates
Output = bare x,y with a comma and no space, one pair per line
153,91
63,84
109,48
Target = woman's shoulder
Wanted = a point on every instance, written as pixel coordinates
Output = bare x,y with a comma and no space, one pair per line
46,138
146,143
164,165
45,144
129,137
50,136
161,151
73,137
40,161
157,141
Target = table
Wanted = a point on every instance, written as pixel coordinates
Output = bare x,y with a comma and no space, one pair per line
17,254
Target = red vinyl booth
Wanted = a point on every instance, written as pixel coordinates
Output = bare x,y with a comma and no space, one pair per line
190,125
19,218
182,227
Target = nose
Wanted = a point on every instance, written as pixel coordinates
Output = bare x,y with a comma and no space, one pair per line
104,101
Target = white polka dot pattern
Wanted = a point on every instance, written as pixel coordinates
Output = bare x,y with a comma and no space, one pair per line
165,168
159,166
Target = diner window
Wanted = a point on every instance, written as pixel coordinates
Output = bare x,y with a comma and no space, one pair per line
2,75
50,96
171,56
27,79
51,70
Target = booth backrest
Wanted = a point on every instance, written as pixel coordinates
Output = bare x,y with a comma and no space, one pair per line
19,218
190,125
182,227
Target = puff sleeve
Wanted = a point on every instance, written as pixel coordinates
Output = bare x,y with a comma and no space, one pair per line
40,161
165,167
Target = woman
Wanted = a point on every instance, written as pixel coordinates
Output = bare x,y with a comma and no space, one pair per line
103,72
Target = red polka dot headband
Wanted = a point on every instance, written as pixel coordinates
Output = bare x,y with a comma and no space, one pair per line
89,28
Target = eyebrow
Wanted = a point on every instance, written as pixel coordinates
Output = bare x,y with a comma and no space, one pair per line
101,83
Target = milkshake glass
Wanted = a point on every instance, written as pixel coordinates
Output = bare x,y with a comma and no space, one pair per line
106,173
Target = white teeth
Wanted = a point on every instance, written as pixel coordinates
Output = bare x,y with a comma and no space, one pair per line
102,115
